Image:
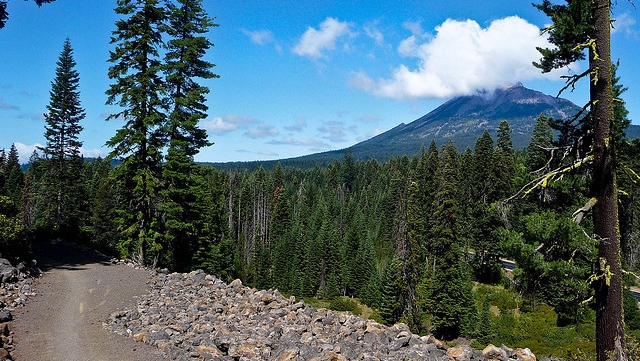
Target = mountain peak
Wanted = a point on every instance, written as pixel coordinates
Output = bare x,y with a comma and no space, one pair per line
463,119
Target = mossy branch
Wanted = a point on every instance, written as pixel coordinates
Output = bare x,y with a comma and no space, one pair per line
578,215
543,181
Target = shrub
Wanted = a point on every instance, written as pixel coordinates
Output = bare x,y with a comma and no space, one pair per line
343,304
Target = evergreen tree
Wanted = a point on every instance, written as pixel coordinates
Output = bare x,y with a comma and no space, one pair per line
580,25
61,186
138,89
3,172
504,169
629,188
12,235
390,304
538,151
450,292
103,192
182,185
482,216
411,271
14,177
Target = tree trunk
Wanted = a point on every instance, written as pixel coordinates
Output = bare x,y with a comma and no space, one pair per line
609,324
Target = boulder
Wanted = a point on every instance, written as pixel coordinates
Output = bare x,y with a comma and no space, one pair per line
289,355
460,353
8,273
492,352
5,316
524,355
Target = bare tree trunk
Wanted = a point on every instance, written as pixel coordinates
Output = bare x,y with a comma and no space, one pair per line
609,324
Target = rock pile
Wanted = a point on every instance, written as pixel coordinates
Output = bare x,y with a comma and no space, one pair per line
196,316
15,288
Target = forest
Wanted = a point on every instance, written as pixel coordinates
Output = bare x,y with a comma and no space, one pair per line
417,239
410,237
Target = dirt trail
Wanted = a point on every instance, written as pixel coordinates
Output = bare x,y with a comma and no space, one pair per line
77,292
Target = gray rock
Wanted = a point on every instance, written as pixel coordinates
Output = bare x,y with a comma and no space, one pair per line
8,273
199,317
5,316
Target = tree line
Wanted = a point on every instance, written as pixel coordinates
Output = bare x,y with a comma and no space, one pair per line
408,236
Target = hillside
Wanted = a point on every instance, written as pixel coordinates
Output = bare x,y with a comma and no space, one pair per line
462,119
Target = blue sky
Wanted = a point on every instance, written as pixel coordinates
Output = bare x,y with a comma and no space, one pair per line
300,77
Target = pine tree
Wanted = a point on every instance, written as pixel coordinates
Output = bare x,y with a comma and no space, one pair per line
103,192
580,25
390,304
14,177
451,284
504,169
63,165
138,89
182,186
482,216
539,149
3,171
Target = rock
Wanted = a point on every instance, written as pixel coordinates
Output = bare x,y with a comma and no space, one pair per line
236,283
5,329
156,336
289,355
8,273
331,356
194,316
430,339
210,351
140,336
492,352
460,353
5,316
524,355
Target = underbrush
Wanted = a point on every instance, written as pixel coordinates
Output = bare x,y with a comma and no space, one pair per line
535,328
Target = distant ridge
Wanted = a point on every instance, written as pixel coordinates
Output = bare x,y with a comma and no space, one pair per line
462,119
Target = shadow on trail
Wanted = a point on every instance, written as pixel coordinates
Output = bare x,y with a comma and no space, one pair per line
65,255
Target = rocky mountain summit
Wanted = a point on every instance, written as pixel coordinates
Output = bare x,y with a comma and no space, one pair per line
195,316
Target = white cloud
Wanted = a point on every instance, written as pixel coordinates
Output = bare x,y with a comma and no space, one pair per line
314,143
314,43
92,153
625,23
301,123
260,37
25,151
415,27
374,33
261,131
460,59
227,123
333,131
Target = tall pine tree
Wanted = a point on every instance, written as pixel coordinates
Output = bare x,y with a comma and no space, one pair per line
449,290
182,207
63,164
139,90
580,25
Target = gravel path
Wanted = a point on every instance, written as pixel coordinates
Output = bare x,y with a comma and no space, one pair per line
78,292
